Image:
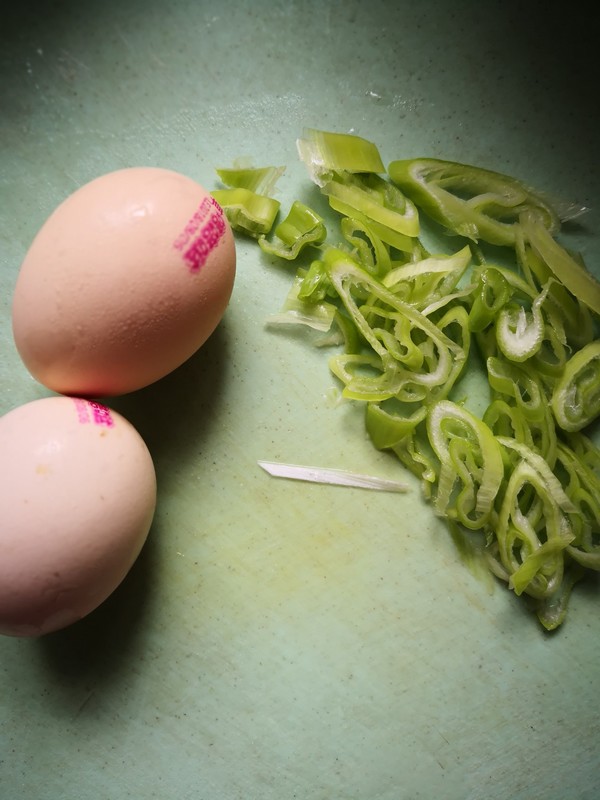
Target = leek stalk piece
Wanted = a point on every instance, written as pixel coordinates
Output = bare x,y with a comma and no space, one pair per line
471,470
522,479
390,236
491,292
261,180
574,276
301,227
295,310
371,251
533,551
519,332
388,428
409,356
324,153
427,280
524,391
247,211
582,486
378,200
576,396
477,203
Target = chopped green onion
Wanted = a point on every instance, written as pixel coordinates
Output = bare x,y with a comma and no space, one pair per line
378,200
469,456
520,333
319,316
261,180
521,479
572,275
429,279
387,429
247,211
401,241
301,227
491,292
324,153
371,251
471,201
576,396
533,553
396,365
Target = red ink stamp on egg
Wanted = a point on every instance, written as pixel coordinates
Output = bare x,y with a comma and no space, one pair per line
202,234
82,411
91,411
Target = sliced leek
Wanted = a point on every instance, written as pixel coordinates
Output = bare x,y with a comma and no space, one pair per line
247,211
520,473
477,203
301,227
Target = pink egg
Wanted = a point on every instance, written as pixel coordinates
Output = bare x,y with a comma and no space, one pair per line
77,499
127,278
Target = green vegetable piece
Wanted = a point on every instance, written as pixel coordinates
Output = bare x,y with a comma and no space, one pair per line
396,365
582,486
523,481
427,280
317,315
504,419
324,153
525,389
387,429
575,277
315,285
402,242
247,211
568,315
576,396
517,383
471,466
519,332
378,200
261,180
473,202
490,294
551,611
370,249
301,227
533,529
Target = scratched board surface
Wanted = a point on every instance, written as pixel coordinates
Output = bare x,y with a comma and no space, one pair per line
280,640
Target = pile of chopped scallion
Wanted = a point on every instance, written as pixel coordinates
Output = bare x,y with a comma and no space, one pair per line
523,477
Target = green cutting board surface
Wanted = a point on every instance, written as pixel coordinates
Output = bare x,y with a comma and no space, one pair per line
278,640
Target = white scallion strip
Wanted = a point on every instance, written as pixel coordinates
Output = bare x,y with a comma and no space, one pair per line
333,477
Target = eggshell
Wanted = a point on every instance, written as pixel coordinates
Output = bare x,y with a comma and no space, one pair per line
77,499
125,280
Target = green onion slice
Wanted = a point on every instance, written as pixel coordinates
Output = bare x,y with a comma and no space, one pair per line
324,153
519,332
477,203
247,211
533,528
261,180
576,396
301,227
470,458
523,478
573,275
377,199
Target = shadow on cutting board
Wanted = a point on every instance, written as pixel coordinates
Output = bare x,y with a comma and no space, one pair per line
101,644
172,415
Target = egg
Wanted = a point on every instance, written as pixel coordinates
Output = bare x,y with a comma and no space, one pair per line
77,499
125,280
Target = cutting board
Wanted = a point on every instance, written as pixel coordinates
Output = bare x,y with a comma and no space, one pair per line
275,639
